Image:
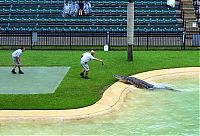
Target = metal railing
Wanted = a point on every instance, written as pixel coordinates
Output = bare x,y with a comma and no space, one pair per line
95,39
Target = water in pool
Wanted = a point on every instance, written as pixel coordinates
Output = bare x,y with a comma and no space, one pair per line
143,113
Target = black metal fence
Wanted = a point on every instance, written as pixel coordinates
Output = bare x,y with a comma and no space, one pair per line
96,39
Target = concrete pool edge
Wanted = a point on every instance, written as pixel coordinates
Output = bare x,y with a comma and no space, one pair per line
111,101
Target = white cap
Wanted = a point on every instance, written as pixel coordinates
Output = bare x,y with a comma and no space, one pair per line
92,51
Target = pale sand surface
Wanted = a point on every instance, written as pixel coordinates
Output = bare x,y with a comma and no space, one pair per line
112,98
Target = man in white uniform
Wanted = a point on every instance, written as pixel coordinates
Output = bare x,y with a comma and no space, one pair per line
85,58
66,9
73,10
16,59
87,7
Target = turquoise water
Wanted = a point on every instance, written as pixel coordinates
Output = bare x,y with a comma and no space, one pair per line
144,112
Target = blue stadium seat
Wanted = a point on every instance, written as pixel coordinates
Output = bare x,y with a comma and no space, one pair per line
107,15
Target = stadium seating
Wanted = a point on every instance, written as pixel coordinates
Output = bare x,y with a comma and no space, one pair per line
197,10
107,15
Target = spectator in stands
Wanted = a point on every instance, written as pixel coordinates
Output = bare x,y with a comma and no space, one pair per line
74,8
171,3
85,58
87,7
16,60
66,9
80,10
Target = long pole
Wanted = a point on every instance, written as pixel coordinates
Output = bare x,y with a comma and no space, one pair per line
130,29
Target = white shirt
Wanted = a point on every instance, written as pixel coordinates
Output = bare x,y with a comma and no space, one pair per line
17,53
66,8
87,7
87,57
73,9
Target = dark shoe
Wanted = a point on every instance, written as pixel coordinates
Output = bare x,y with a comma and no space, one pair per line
86,77
81,74
20,72
13,71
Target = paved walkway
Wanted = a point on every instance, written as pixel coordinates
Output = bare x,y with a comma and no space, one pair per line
36,80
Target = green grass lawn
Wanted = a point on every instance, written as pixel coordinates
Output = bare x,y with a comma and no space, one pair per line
76,92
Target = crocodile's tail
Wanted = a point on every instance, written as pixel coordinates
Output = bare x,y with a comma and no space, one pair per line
172,89
161,86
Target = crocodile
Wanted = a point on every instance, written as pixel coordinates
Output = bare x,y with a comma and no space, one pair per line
141,84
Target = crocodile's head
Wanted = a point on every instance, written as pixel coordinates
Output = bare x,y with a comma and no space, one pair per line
121,78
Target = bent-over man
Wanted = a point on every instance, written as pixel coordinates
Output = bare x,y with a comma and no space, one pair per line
85,58
16,60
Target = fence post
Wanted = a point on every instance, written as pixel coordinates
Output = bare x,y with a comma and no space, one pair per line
183,41
138,39
31,39
93,37
108,39
147,41
46,38
70,39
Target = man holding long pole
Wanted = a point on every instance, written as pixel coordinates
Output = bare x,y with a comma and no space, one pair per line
16,59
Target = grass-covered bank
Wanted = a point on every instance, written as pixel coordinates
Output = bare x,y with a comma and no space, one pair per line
75,92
